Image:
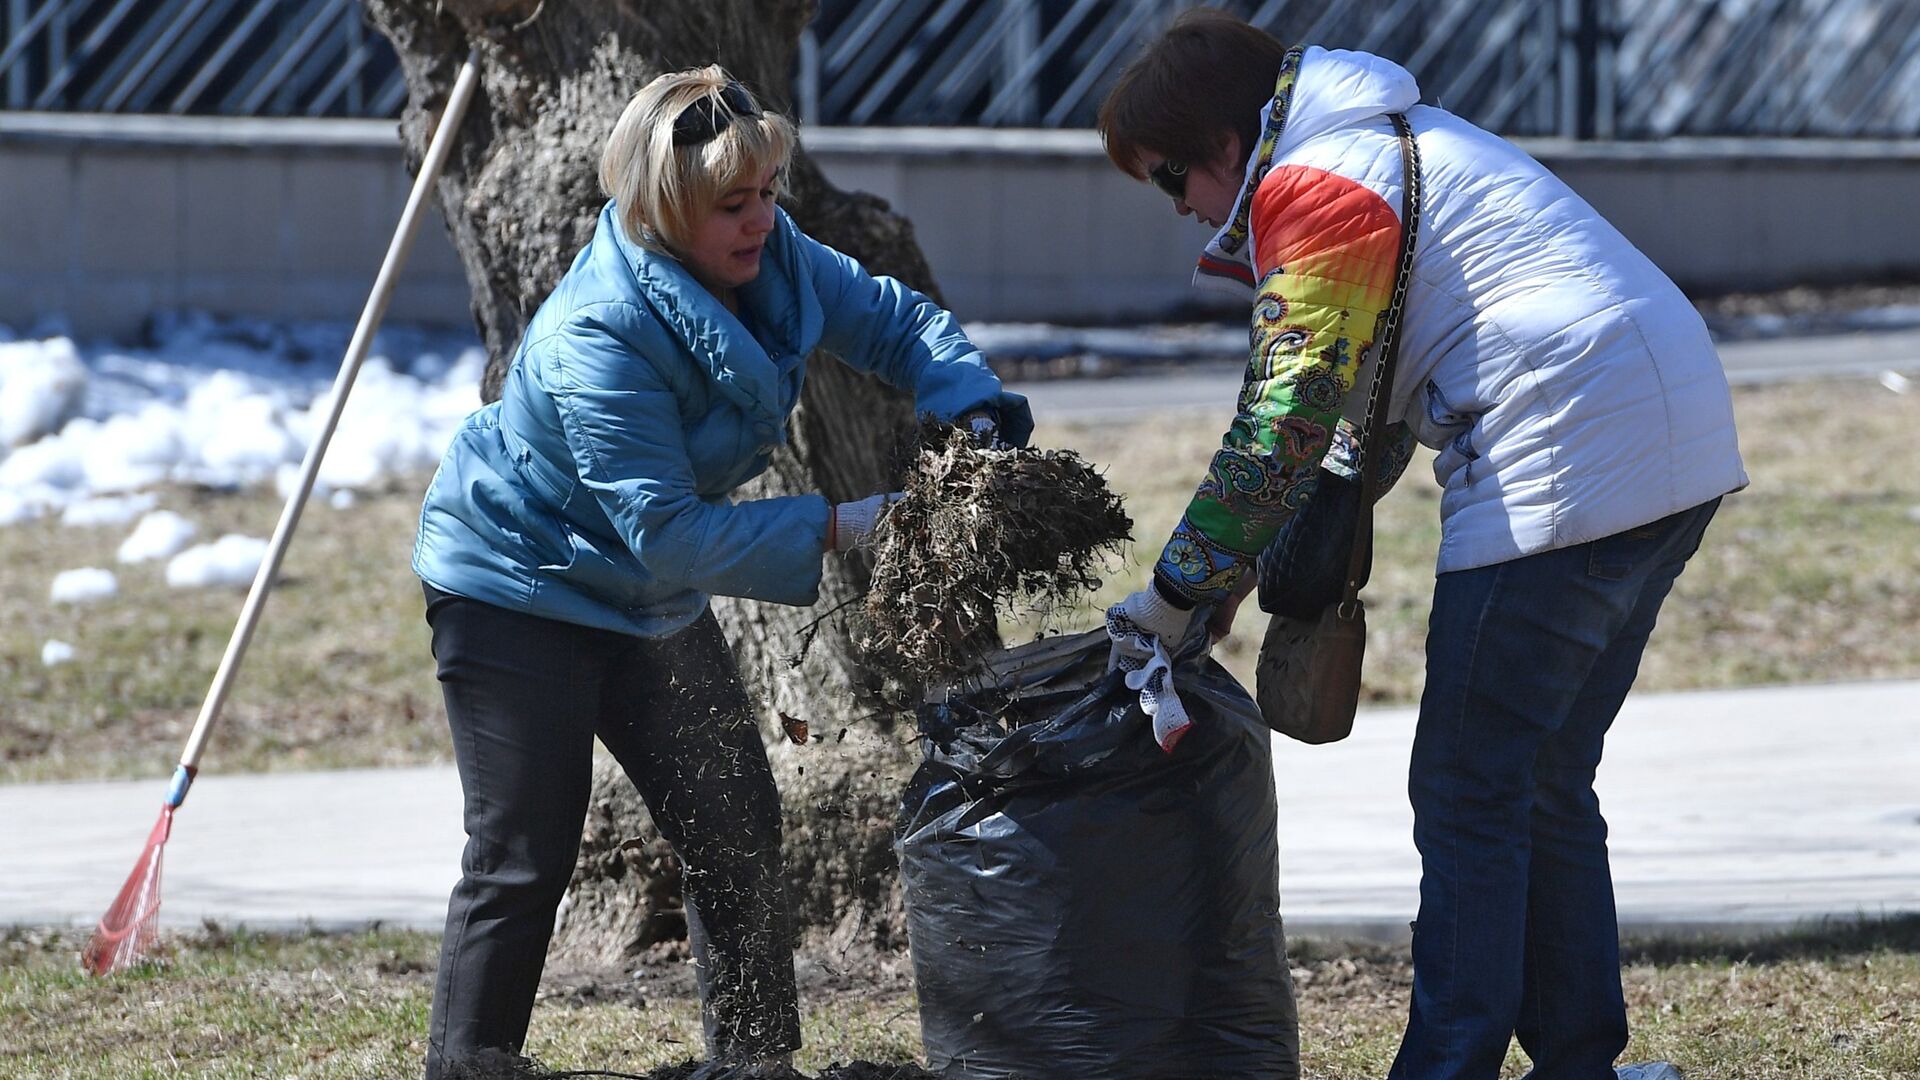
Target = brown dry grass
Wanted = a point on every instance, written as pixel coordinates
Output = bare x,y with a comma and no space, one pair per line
1830,1003
1808,575
338,674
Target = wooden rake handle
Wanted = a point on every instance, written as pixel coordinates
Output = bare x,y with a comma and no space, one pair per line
437,152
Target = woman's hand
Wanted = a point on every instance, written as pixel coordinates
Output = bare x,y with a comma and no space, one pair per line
851,524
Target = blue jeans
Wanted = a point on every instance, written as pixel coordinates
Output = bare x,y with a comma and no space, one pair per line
1528,661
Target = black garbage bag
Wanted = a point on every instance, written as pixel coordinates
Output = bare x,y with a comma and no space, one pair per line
1081,903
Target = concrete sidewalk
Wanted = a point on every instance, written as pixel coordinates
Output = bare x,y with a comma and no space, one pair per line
1729,808
1726,808
1214,385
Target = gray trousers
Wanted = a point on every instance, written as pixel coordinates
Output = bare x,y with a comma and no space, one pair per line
525,698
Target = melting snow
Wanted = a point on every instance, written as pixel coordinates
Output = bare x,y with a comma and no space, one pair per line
83,586
41,387
159,535
107,510
231,560
220,403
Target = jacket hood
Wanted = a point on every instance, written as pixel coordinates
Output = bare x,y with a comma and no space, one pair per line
1318,91
1338,88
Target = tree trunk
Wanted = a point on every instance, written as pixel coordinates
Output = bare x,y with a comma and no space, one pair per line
521,194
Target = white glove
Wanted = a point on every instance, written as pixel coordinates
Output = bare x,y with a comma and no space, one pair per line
985,429
1142,626
851,524
1151,611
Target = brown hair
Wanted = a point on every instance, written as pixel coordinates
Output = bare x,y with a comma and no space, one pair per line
1202,79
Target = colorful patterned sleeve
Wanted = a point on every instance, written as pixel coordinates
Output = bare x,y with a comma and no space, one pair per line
1396,453
1324,254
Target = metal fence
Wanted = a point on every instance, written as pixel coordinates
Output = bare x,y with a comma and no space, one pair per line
1607,68
225,57
1583,68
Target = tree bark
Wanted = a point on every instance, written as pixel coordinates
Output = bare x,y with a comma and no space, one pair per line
520,198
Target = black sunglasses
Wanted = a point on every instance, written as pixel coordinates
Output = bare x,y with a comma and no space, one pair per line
705,117
1171,177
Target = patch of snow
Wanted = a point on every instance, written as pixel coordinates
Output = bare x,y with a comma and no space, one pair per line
160,535
134,450
42,384
52,464
222,403
83,586
107,510
390,427
232,560
24,505
55,653
245,437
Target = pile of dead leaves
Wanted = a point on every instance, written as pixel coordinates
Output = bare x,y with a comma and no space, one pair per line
980,531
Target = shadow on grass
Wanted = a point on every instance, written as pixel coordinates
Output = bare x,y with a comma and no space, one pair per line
496,1065
1827,939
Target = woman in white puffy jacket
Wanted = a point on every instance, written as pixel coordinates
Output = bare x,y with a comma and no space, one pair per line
1585,436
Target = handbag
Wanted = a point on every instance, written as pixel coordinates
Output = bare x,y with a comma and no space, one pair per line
1307,680
1303,571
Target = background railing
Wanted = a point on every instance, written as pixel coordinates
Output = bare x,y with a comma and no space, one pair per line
1578,68
223,57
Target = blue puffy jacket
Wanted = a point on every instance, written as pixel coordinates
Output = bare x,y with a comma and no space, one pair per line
596,490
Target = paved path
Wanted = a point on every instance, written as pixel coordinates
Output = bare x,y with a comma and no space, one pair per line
1726,807
1731,808
1214,385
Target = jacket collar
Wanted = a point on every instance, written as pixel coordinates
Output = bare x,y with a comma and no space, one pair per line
1227,264
713,337
1318,91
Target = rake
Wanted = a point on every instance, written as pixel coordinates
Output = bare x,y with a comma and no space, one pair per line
127,929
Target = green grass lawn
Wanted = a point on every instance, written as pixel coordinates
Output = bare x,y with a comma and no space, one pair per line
1808,575
1838,1004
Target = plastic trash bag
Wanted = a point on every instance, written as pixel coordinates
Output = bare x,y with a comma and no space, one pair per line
1083,904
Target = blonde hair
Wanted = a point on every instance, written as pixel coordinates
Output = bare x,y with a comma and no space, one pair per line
663,191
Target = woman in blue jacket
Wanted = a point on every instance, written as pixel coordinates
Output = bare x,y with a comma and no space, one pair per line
577,527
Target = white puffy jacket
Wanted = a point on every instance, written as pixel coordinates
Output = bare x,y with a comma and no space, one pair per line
1570,388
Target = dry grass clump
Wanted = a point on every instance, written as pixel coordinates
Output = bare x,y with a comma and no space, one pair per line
979,529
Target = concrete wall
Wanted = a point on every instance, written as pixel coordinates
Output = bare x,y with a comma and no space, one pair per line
106,219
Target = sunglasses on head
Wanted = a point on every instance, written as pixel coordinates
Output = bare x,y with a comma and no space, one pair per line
1171,177
707,116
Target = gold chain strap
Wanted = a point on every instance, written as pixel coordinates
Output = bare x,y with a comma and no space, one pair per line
1410,202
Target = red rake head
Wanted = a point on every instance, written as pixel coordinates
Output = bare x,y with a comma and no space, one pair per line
126,929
